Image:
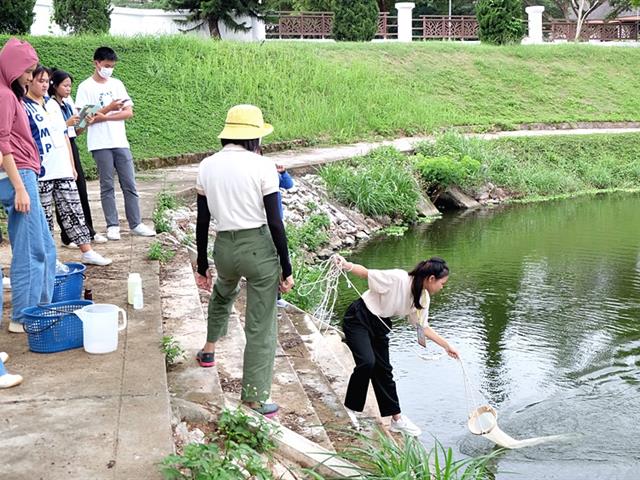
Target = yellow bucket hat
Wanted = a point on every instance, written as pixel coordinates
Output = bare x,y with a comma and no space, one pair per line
245,122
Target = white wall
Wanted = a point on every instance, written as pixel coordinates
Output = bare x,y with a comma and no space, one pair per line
141,21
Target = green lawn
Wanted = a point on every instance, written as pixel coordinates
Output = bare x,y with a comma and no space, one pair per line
335,93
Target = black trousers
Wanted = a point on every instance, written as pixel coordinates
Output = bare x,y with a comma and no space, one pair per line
84,197
366,337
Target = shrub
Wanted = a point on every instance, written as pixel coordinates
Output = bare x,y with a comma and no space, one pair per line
381,457
159,252
233,454
16,16
381,183
355,20
83,16
172,350
165,201
500,21
441,172
311,235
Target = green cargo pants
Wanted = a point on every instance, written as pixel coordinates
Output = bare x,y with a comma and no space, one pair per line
252,255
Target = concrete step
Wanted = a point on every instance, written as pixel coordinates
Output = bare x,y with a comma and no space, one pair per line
296,411
326,402
184,319
334,359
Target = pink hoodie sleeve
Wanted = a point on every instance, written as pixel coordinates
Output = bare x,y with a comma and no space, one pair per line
7,117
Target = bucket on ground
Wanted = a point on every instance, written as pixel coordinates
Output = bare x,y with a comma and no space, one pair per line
54,327
68,286
100,326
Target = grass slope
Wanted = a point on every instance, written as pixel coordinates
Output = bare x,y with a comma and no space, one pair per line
334,93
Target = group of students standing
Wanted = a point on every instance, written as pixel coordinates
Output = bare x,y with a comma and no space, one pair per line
237,187
240,190
41,170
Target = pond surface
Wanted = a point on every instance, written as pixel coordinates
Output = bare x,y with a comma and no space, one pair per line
543,303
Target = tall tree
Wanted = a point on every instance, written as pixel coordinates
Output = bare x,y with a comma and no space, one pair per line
83,16
16,16
213,11
500,21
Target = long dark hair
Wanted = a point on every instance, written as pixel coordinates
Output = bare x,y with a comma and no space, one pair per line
56,78
252,145
18,89
435,266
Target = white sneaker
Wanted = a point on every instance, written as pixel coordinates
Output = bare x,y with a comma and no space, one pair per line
69,245
143,231
6,283
282,303
113,233
406,426
94,258
7,380
4,356
16,327
98,238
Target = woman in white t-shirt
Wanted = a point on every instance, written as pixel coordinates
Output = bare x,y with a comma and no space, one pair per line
57,173
367,323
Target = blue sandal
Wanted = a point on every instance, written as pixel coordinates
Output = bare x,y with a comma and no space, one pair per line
206,359
269,410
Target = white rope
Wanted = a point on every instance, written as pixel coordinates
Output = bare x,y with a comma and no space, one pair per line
328,280
469,390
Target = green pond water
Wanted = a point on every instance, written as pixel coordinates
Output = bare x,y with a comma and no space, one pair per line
543,302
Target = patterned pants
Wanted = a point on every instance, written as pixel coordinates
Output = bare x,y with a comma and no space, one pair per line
63,192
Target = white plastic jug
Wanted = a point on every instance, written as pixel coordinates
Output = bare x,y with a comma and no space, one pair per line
100,327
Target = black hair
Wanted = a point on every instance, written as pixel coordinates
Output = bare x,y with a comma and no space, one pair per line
435,266
40,69
105,53
252,145
57,77
18,89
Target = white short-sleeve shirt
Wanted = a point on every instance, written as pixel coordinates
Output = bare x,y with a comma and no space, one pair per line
389,295
235,181
111,134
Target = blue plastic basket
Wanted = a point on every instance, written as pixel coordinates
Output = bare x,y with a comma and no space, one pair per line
68,286
54,327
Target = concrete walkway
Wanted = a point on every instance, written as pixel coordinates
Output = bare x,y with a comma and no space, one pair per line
81,416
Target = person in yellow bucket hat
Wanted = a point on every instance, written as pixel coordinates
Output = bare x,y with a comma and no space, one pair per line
240,190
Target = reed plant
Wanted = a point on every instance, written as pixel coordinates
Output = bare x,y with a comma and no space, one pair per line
381,457
380,183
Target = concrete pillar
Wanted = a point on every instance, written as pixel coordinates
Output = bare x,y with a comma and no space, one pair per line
535,24
405,21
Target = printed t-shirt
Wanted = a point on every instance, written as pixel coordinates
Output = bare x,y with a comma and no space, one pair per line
389,295
110,134
48,129
235,182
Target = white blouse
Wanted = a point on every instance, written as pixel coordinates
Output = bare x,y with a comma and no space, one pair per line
389,295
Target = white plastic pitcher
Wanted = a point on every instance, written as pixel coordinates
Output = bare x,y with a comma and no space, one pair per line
100,327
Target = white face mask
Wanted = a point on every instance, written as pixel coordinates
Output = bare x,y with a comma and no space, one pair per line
105,72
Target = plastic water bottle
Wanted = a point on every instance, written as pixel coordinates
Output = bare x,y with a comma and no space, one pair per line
134,282
61,268
138,301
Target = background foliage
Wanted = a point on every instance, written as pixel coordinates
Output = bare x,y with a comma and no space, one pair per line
500,22
16,16
83,16
339,93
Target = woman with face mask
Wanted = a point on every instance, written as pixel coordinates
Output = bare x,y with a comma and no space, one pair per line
33,260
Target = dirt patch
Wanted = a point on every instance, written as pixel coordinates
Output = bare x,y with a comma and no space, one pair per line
230,385
290,420
289,340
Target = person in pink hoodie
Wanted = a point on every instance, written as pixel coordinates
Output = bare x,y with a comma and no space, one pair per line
33,260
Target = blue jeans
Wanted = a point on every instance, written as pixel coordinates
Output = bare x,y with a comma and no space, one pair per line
2,370
33,262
